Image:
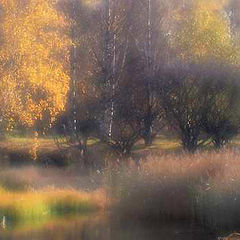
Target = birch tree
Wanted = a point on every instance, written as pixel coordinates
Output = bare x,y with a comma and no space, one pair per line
151,38
109,50
34,62
202,32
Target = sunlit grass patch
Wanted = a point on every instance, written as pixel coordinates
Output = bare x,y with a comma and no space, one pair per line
92,141
27,206
43,141
70,201
167,144
35,206
162,142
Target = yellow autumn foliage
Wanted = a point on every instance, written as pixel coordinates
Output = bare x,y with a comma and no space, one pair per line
34,60
204,31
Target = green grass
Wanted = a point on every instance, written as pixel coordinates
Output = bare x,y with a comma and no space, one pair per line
20,147
48,140
37,206
162,143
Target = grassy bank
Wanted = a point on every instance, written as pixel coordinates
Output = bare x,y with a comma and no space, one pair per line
19,151
203,188
35,206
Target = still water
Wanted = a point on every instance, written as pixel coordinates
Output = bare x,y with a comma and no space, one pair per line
102,228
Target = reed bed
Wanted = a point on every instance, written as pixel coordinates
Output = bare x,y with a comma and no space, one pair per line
202,187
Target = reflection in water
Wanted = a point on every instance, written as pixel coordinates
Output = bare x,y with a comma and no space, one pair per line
101,228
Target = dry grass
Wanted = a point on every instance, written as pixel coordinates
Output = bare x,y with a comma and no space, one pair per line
33,177
202,187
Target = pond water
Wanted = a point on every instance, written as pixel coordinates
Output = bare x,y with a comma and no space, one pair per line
102,228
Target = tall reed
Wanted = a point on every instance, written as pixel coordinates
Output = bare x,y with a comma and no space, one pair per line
202,187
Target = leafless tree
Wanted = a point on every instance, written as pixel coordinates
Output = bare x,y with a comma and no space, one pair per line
150,32
183,104
220,89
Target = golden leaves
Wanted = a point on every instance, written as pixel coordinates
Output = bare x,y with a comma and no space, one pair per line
34,59
204,31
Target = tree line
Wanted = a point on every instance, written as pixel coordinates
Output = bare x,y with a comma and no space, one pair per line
121,70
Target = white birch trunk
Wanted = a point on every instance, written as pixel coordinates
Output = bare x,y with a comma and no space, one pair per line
74,74
113,86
